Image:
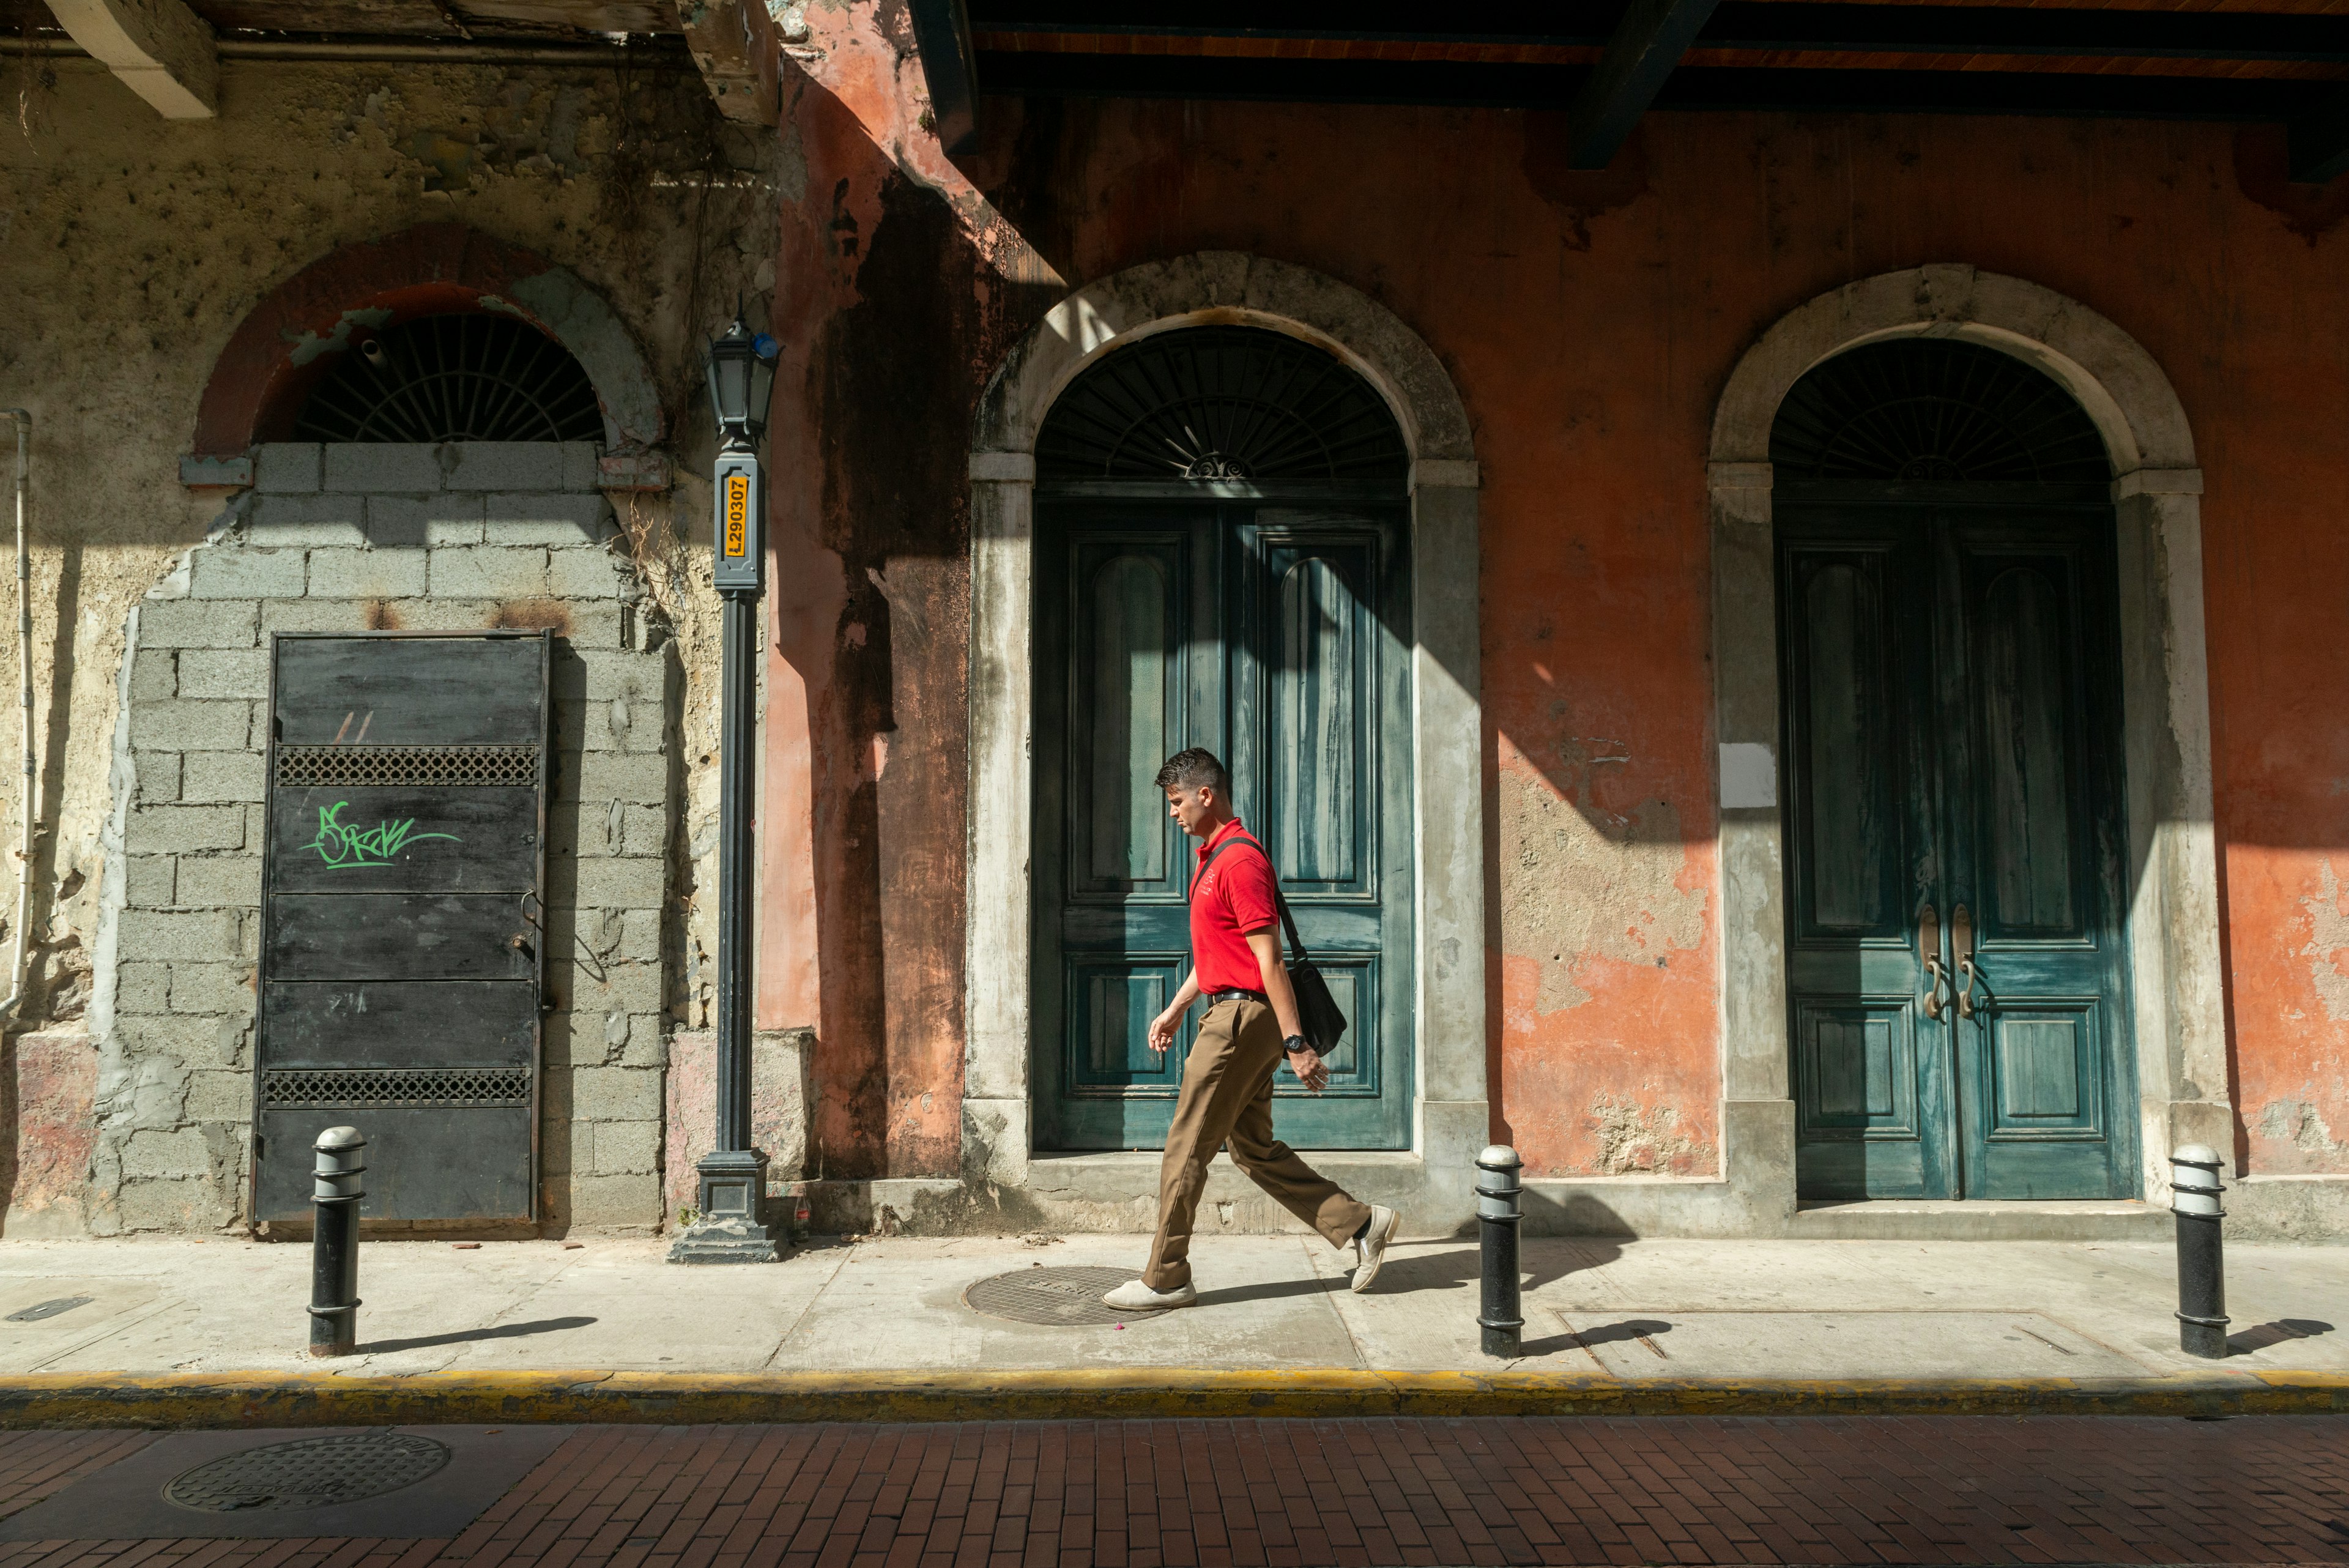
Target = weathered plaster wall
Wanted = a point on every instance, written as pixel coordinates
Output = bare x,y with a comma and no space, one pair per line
863,831
131,248
382,537
1589,321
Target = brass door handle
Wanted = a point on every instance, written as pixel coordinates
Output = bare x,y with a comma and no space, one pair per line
1928,954
1961,942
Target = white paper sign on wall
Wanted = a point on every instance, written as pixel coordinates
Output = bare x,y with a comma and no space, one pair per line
1749,776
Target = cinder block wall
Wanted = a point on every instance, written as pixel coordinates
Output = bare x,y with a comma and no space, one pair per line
382,537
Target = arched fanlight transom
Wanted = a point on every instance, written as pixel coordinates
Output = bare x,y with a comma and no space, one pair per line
471,376
1205,403
1929,410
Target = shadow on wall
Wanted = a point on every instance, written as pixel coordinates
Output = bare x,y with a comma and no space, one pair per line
48,1079
1577,1215
908,307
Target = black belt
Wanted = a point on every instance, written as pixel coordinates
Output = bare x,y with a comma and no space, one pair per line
1215,996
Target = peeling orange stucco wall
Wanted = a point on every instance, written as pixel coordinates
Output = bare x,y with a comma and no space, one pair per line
1590,322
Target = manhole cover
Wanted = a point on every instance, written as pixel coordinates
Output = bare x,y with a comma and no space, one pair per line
49,1309
1064,1298
313,1472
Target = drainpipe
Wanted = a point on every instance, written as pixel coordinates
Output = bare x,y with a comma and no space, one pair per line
23,424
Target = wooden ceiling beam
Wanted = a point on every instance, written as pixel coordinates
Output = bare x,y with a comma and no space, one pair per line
1842,26
734,43
2320,142
1646,44
158,48
2220,97
942,34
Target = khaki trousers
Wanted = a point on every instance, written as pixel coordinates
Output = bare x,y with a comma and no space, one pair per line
1227,1098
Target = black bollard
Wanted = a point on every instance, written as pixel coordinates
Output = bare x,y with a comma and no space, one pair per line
335,1241
1498,1191
2201,1267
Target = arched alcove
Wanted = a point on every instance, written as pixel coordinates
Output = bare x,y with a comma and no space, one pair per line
301,330
2171,881
1222,289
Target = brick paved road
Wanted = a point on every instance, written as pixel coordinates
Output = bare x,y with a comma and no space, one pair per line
1143,1493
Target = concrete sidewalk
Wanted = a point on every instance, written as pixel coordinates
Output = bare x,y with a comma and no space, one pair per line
1633,1310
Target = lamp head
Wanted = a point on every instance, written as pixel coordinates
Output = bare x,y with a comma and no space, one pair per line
741,368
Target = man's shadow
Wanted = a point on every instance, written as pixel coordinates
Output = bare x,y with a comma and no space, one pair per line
1541,1259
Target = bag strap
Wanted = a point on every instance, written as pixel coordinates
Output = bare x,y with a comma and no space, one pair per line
1213,856
1279,899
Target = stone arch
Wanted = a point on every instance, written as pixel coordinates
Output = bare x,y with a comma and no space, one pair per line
2173,920
288,340
1226,288
2120,384
1223,287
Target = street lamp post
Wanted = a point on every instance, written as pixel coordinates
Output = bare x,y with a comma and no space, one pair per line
733,1175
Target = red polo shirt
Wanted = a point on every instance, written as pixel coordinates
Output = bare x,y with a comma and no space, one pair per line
1231,901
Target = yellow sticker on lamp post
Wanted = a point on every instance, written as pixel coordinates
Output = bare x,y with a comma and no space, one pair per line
738,516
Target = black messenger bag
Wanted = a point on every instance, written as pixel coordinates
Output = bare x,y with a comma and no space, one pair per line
1318,1014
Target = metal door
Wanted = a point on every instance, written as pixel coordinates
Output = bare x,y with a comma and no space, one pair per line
402,930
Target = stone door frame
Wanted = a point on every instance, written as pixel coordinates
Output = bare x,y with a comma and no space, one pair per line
2173,888
1450,1121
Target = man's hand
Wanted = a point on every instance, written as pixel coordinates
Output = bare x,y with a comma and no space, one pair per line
1310,1070
1163,1027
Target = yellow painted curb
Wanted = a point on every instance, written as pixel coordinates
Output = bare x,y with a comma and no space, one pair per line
325,1398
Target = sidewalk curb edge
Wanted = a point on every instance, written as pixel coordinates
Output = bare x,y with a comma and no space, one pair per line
325,1398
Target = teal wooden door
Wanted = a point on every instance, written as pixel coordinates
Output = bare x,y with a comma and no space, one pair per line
1277,638
1953,793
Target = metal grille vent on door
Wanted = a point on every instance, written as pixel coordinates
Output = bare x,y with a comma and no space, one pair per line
402,919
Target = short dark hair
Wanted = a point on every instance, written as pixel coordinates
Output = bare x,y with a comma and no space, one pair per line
1194,769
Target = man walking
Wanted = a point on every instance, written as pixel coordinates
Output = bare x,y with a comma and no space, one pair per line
1250,1027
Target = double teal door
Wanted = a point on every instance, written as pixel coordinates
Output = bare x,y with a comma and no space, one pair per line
1276,637
1955,851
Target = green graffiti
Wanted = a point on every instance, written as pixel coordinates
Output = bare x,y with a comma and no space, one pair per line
345,848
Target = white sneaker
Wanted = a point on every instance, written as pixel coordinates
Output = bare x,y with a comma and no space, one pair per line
1371,1246
1135,1295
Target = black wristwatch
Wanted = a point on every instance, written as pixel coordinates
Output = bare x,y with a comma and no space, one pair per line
1294,1044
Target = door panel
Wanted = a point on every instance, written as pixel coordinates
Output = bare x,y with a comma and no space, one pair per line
1272,637
1847,658
1953,741
1118,691
1859,1085
2034,748
1314,762
1873,1100
2030,806
2043,1063
1127,666
1111,1005
1317,699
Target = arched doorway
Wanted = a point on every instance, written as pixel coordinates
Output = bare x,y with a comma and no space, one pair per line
1222,560
2176,998
1952,779
1448,1120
